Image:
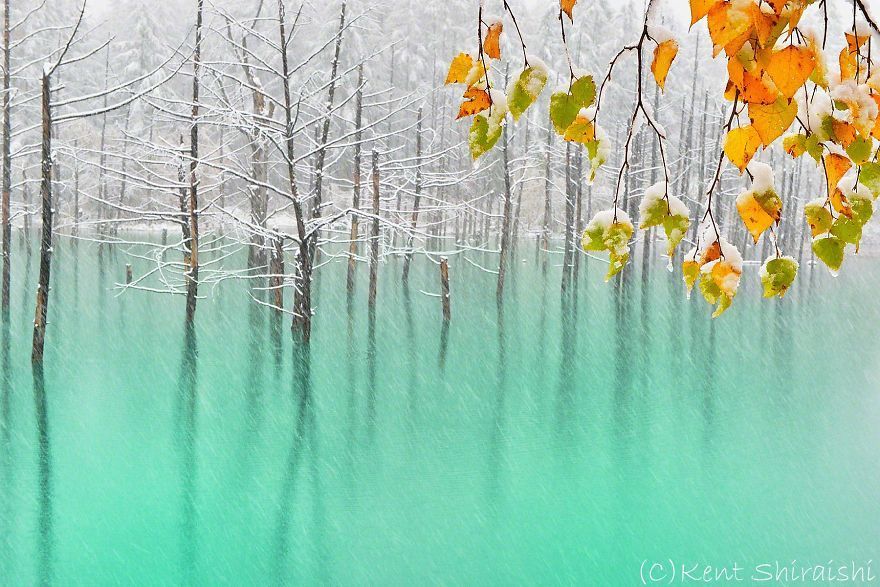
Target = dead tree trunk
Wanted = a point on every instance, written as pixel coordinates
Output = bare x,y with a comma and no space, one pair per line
505,227
325,133
356,182
42,306
569,221
7,166
192,277
301,325
374,239
417,199
545,226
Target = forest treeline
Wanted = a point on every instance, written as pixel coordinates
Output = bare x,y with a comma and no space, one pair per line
306,134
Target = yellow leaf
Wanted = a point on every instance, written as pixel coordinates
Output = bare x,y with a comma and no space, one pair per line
789,68
763,24
836,166
458,70
700,8
580,131
727,22
726,277
475,100
771,120
664,53
567,6
740,145
758,213
847,62
491,44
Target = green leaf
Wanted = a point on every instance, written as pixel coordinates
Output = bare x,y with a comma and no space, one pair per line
525,90
563,111
597,157
847,230
675,227
859,150
602,234
483,135
862,208
690,270
583,90
829,249
818,217
592,238
869,176
777,275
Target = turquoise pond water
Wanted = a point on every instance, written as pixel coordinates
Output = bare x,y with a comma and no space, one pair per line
567,447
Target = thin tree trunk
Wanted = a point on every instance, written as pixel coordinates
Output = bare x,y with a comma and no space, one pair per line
325,133
7,166
417,199
192,283
301,325
505,228
374,238
42,306
356,182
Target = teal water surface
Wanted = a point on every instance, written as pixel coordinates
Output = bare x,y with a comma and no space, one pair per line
558,442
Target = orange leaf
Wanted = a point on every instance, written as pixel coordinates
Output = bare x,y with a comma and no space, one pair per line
755,91
836,166
771,120
567,7
700,8
855,42
840,203
476,100
664,53
844,132
740,145
459,69
790,68
491,45
763,24
727,22
711,253
778,5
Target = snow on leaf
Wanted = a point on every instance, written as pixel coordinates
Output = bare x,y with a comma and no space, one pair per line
526,89
604,233
759,211
567,6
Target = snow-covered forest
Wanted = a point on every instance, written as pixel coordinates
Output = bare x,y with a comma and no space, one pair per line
175,119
